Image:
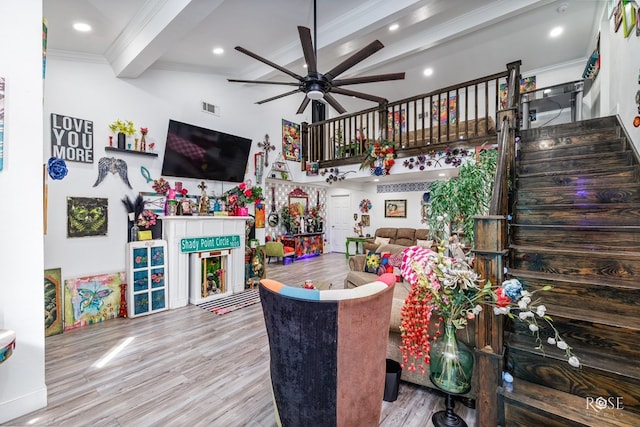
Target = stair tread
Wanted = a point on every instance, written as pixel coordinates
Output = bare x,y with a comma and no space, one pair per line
589,316
586,280
583,205
594,254
589,357
575,157
582,173
626,228
567,406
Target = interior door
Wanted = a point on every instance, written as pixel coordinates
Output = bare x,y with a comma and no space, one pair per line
341,219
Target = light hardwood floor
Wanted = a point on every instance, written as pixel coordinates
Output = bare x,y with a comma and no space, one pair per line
190,367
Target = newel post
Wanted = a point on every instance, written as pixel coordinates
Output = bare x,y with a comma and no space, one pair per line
490,251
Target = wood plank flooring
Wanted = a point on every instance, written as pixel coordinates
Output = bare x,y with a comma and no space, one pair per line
190,367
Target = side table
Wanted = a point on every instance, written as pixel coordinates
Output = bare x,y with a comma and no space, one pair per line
359,241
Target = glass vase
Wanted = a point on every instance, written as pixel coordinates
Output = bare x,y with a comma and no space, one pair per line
451,363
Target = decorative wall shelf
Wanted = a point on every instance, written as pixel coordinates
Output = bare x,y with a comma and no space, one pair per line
280,169
122,150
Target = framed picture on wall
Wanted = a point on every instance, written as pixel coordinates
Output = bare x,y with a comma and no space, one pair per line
395,208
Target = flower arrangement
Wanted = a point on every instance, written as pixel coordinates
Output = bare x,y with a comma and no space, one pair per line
243,194
380,158
450,287
147,219
365,205
123,126
161,186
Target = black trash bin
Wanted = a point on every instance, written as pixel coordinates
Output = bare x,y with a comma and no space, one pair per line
392,381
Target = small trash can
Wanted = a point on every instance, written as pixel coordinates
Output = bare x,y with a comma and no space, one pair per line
392,381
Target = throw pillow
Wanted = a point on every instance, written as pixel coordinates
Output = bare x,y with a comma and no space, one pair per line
382,241
424,243
372,262
385,267
395,261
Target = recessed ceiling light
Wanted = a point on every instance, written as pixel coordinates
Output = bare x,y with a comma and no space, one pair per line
82,27
393,27
555,32
428,72
376,180
218,50
440,174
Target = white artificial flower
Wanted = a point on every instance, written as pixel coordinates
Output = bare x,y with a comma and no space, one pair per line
500,310
524,314
526,299
439,218
551,340
522,304
533,327
541,310
573,361
562,345
477,309
526,293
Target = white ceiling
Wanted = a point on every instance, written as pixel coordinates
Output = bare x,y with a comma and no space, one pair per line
460,39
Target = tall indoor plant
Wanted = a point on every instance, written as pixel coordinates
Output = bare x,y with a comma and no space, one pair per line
454,203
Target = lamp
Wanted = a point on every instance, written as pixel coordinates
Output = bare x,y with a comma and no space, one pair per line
315,91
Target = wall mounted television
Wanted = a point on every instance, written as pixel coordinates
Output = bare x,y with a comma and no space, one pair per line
196,152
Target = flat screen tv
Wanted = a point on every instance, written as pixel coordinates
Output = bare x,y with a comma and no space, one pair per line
195,152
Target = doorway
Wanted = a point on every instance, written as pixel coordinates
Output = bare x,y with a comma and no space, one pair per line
341,218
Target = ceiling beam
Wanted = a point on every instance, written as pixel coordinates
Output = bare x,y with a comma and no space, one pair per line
153,31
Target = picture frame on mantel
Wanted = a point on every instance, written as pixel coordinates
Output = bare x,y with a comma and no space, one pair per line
395,208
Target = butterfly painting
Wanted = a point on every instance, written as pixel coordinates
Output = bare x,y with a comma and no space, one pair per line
92,299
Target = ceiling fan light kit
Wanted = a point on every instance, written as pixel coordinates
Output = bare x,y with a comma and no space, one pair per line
318,86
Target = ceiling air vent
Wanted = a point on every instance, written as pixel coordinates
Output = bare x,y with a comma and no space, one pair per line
210,108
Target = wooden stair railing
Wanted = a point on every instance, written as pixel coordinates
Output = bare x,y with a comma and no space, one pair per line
490,250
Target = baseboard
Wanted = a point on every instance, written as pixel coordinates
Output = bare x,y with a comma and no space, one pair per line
23,405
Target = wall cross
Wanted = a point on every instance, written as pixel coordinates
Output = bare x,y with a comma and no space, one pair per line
266,145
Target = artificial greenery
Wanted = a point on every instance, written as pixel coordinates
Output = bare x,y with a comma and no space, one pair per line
123,126
455,202
288,218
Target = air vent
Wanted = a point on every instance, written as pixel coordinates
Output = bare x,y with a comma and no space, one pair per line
210,108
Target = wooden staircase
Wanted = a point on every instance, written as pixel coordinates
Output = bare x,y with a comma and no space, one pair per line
576,227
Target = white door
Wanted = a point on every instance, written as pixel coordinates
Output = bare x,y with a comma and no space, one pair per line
341,222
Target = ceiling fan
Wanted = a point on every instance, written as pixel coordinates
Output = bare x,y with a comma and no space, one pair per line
316,85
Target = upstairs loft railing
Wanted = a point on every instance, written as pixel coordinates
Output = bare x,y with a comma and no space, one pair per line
462,114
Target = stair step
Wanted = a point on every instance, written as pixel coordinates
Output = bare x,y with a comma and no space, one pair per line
579,179
588,214
596,125
586,238
597,302
590,162
620,193
575,279
597,376
606,266
552,149
530,404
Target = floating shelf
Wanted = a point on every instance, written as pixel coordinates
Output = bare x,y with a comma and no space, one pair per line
122,150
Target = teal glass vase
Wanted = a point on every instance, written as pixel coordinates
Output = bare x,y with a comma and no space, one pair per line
451,365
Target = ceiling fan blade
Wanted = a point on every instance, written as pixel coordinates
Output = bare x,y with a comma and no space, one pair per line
360,55
307,49
278,96
264,82
303,106
266,61
334,103
368,79
361,95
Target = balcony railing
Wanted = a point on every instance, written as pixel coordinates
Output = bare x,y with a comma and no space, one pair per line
462,114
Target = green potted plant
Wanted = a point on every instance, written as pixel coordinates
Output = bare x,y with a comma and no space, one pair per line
454,203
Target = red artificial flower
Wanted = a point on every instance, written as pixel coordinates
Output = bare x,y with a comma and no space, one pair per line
242,186
502,300
184,191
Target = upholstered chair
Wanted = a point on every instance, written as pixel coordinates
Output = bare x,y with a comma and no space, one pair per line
328,352
278,250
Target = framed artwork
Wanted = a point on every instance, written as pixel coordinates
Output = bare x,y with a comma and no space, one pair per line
443,110
366,220
87,216
617,16
395,208
258,161
397,122
92,299
260,215
53,302
291,149
153,202
628,18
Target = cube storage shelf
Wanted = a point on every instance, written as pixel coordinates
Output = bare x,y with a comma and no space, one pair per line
147,288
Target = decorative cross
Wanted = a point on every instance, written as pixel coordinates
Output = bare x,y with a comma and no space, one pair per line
267,147
202,186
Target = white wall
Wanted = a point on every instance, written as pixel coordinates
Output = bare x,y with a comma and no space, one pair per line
88,90
22,381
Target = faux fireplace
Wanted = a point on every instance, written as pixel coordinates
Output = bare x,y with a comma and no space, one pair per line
208,276
188,236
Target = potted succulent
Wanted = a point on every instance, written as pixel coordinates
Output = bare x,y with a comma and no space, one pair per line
122,128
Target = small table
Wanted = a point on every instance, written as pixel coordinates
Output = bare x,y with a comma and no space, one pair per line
358,241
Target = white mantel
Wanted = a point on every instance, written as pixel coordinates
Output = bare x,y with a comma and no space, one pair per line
175,228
